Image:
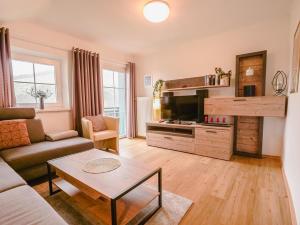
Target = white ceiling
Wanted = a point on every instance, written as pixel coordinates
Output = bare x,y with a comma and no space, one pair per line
120,23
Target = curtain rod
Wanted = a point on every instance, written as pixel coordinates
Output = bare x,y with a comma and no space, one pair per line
66,50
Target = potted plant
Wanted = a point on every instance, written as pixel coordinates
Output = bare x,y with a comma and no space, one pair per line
223,78
157,88
40,94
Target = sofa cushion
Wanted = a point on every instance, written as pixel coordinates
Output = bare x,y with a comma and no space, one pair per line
98,122
106,134
23,205
13,133
35,130
8,177
61,135
16,113
38,153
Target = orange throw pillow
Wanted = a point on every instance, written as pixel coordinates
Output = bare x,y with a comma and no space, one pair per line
13,133
97,122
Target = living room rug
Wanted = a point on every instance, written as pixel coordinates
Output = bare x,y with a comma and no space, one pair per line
172,212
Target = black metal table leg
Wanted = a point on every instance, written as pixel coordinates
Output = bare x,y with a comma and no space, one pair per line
159,184
113,207
159,188
50,179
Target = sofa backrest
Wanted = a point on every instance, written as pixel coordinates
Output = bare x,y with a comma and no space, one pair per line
34,126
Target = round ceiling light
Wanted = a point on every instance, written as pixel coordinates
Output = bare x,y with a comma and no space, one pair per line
156,11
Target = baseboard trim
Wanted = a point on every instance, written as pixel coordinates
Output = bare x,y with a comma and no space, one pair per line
272,156
141,137
291,205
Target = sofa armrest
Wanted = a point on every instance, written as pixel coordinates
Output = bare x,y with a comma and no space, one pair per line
112,123
87,128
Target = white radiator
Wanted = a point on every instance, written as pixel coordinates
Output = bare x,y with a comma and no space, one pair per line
144,114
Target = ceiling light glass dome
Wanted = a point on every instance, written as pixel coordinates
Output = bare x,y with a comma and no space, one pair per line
156,11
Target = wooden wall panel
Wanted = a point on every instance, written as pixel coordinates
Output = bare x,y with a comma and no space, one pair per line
249,131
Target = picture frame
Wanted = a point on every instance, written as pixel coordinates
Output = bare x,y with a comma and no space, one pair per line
296,62
147,81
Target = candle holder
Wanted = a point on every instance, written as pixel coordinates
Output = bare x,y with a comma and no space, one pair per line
279,83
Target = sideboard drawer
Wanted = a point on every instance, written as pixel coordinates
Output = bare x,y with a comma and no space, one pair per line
178,143
214,142
211,134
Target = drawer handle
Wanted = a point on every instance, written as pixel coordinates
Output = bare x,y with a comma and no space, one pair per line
240,100
211,131
169,138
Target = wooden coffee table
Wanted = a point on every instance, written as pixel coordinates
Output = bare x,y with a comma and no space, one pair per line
121,193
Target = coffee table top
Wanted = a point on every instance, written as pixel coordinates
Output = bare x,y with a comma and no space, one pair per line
110,184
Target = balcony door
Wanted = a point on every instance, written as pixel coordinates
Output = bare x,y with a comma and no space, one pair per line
114,88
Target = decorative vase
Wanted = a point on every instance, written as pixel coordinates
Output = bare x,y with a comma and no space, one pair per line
42,104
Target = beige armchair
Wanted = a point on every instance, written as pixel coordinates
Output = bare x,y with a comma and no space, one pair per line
108,139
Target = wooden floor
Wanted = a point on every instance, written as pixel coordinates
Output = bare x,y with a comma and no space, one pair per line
243,191
239,192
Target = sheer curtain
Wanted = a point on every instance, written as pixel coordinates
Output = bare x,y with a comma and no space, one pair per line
131,100
7,95
87,86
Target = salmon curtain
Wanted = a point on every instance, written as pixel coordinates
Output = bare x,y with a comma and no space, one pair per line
7,94
131,101
87,86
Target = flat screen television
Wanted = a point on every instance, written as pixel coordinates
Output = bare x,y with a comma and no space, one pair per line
180,108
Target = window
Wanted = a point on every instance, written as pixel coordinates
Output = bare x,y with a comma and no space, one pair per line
114,87
31,76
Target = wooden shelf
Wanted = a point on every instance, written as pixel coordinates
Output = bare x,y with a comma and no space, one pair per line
99,210
196,87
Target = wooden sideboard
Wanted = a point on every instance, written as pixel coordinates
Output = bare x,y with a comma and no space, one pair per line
206,140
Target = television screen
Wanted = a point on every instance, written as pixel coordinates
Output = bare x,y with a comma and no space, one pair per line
180,108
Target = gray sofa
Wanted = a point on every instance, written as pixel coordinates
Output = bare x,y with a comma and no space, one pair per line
30,161
20,204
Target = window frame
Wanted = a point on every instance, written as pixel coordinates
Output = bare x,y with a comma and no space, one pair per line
58,79
114,87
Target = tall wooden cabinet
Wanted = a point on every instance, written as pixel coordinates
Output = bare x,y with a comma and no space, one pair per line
249,130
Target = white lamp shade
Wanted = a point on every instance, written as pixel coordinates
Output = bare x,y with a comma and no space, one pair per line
156,11
156,103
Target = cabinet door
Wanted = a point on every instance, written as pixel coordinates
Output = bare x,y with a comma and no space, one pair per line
273,106
214,142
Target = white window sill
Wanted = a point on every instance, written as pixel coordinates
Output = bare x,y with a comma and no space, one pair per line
49,110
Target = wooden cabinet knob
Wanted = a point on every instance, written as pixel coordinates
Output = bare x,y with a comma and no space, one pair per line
211,131
240,100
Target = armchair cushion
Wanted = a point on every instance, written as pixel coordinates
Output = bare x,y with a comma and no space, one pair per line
97,122
106,134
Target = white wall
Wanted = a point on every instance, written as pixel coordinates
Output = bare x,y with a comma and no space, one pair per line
37,40
291,153
200,57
